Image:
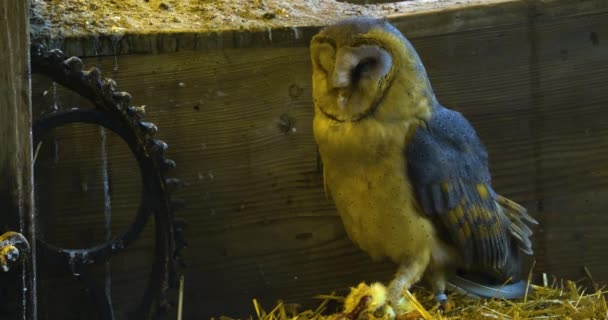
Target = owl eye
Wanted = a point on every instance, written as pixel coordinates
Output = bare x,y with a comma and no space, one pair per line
362,68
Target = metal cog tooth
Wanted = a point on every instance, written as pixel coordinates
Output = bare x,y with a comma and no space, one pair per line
180,241
108,86
179,231
179,222
37,49
180,245
181,263
173,184
177,203
138,112
122,97
131,111
164,306
159,145
93,76
148,127
74,64
168,164
56,55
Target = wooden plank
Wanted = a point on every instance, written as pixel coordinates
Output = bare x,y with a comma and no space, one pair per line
259,223
577,223
18,291
417,19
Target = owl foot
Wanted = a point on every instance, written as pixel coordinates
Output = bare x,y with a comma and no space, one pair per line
444,303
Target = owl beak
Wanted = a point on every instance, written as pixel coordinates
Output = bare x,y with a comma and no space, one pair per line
342,100
341,79
340,82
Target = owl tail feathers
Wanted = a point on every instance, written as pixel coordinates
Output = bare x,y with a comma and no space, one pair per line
520,223
474,289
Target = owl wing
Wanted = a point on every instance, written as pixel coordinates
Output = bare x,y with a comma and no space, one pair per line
448,168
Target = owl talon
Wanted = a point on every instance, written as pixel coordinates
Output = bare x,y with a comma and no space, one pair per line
444,303
441,297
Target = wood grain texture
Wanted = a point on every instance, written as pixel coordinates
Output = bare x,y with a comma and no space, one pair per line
16,207
260,225
429,20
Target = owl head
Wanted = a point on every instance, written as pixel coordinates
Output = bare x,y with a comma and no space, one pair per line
359,64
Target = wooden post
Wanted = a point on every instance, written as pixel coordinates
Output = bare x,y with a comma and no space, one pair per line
17,287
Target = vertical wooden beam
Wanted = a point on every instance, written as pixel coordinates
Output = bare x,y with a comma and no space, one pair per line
18,290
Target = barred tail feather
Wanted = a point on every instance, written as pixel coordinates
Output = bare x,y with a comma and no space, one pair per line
520,223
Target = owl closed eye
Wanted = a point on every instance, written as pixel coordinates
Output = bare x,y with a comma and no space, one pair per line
349,77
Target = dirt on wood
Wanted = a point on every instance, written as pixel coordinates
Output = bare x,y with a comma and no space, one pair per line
87,17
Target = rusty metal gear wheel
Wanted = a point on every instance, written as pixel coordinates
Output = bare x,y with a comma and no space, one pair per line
112,110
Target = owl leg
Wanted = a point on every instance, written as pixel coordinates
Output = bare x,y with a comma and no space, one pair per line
407,275
443,259
438,279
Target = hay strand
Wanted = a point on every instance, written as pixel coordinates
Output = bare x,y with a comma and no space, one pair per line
417,305
560,300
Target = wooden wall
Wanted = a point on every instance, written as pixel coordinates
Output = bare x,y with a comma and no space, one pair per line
16,211
238,124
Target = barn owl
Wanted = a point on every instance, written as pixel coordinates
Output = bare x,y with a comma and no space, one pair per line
409,177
